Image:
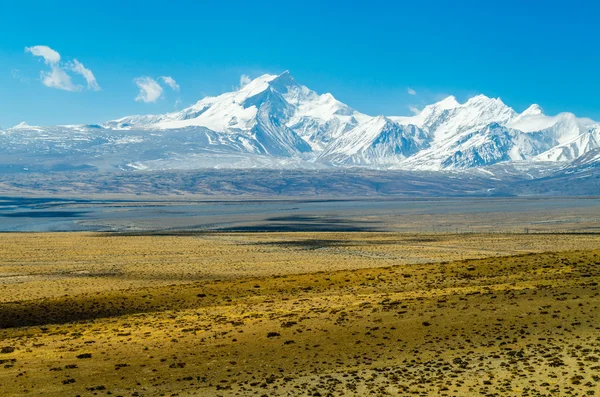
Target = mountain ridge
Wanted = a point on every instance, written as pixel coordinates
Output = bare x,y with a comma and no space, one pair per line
275,119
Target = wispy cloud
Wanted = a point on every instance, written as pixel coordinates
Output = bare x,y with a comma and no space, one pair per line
170,81
411,91
150,90
244,80
16,74
87,74
414,109
57,76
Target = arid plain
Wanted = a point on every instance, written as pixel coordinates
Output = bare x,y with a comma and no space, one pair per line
303,313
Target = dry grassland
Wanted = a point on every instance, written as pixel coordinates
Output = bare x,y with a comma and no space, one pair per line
297,314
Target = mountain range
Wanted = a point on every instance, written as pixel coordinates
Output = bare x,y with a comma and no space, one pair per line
275,122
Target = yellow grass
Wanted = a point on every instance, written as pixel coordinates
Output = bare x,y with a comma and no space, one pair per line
299,314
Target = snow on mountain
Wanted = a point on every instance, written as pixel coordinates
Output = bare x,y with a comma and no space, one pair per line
587,161
275,120
563,127
94,147
532,110
270,129
572,136
274,107
318,119
484,131
229,112
379,141
24,126
576,147
480,147
448,118
430,115
466,135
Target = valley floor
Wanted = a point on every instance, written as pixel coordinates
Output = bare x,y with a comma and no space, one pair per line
296,314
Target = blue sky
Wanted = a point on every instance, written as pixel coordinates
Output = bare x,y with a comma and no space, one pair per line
366,53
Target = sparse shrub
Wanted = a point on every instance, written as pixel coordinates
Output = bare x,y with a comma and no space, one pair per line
7,349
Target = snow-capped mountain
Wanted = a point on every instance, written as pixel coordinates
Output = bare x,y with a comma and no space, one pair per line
273,121
478,147
448,118
284,117
589,160
572,136
378,141
484,131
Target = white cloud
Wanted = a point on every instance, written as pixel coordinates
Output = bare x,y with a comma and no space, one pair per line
50,56
150,90
87,74
57,76
170,81
411,91
244,80
414,109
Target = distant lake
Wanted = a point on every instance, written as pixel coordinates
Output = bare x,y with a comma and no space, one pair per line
30,215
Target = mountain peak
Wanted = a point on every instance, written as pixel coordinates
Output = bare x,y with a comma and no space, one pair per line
481,99
21,125
259,81
380,121
283,82
285,76
533,110
447,103
267,79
